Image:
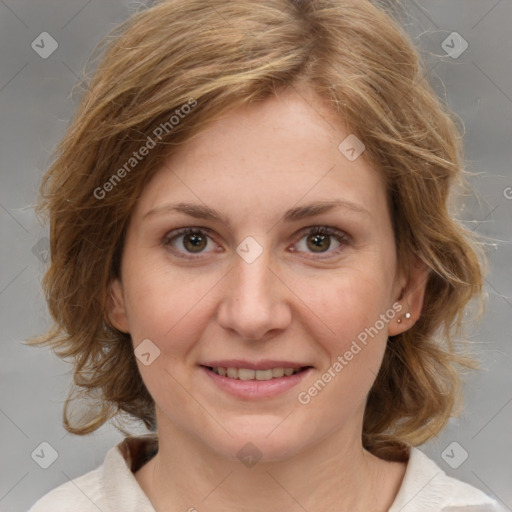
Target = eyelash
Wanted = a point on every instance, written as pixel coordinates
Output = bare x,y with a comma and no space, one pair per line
340,237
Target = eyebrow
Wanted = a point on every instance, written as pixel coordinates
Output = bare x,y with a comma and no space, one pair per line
293,215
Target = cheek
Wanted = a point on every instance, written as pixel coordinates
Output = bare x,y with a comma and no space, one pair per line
354,342
346,305
345,319
170,310
166,305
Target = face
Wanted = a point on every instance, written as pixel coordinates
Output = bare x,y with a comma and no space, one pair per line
260,246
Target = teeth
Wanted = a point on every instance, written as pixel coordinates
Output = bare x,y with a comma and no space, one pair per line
263,374
278,372
248,374
245,374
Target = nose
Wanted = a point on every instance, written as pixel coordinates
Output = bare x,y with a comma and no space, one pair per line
254,300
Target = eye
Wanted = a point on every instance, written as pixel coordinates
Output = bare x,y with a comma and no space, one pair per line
318,240
189,240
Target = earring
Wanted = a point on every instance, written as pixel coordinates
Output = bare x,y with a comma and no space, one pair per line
407,316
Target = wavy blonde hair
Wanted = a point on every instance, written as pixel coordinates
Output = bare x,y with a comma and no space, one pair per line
224,54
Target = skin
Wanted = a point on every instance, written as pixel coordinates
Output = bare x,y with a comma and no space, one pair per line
291,303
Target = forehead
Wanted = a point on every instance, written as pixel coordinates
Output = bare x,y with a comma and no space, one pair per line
268,155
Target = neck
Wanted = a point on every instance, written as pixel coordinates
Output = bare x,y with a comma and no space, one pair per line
336,474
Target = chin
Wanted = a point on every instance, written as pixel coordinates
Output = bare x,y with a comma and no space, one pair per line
255,439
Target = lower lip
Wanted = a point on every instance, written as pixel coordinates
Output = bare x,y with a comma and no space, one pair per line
256,388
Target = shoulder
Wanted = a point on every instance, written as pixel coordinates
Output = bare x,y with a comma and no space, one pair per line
427,488
112,486
86,493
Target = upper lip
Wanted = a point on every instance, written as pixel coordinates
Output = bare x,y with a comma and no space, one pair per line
260,365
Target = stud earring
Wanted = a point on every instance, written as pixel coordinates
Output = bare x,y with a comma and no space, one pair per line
407,316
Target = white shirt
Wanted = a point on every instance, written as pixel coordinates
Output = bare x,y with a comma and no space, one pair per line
112,487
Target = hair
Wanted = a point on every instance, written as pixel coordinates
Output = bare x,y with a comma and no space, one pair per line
353,54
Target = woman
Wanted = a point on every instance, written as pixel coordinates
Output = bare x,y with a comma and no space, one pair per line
252,253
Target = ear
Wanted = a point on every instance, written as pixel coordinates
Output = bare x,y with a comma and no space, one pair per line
116,309
411,296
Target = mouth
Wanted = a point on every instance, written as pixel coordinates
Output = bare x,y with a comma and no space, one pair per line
254,380
266,381
248,374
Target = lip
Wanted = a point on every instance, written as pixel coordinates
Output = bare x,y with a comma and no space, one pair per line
260,365
255,389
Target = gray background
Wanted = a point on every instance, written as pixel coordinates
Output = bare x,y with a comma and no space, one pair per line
36,106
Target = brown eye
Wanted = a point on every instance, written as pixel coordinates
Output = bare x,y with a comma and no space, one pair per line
319,240
194,242
188,241
318,243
